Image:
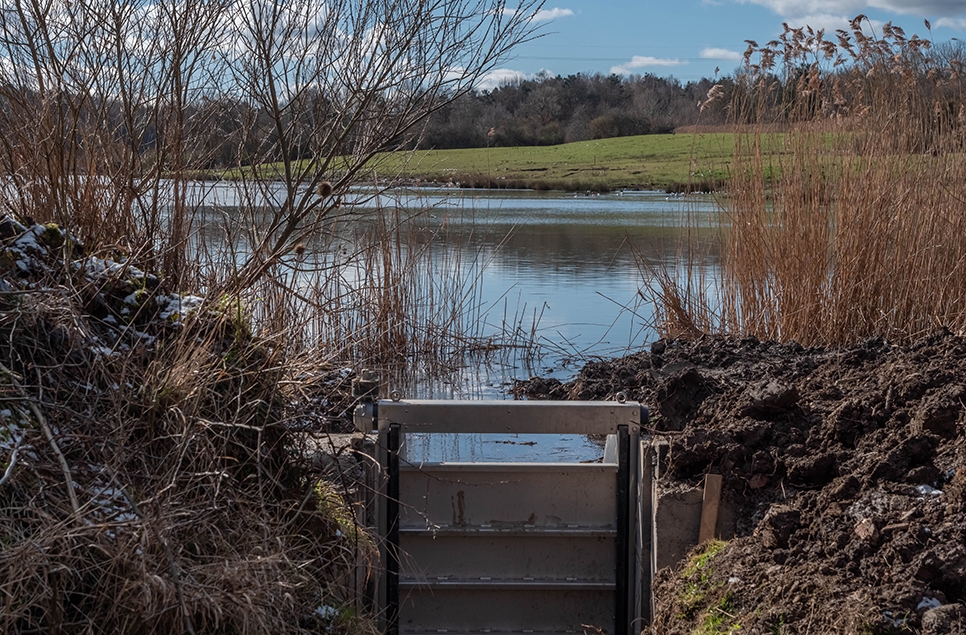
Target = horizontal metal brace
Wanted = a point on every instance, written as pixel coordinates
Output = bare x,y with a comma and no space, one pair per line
515,417
510,468
513,585
536,532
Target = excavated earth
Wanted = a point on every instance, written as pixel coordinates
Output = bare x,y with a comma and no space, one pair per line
845,466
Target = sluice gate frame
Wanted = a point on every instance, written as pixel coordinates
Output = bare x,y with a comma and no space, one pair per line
510,547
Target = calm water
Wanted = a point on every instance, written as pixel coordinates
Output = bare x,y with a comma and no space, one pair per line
566,266
560,268
570,262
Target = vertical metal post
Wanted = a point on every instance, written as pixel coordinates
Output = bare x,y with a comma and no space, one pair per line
392,535
621,625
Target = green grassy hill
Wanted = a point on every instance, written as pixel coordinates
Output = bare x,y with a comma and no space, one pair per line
666,162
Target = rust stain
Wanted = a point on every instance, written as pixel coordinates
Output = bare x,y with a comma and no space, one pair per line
459,509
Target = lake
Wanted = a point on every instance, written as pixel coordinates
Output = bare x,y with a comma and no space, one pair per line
564,266
571,264
560,271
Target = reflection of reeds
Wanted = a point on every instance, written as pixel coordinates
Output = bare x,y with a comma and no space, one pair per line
843,218
391,289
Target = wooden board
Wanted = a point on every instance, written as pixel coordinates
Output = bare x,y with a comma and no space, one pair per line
709,507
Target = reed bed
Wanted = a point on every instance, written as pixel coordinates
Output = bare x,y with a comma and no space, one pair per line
168,344
843,217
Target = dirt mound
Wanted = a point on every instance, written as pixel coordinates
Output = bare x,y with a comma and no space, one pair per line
846,467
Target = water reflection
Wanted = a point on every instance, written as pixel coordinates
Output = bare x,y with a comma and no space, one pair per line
502,448
563,269
557,269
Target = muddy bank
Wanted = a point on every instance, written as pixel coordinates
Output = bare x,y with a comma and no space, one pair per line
846,468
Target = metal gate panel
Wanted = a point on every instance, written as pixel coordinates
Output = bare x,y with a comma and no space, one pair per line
504,495
508,547
515,610
583,554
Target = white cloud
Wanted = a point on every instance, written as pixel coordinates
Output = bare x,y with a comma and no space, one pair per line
942,8
644,61
500,76
544,15
791,8
825,21
799,8
953,23
712,53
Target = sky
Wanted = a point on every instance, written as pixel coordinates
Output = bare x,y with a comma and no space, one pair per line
688,39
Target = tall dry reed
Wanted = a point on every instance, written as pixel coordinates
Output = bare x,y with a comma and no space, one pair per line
844,217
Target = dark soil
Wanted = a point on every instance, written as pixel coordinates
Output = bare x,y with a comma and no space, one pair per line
846,468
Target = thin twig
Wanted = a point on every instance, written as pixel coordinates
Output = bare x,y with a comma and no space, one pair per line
172,563
14,456
68,479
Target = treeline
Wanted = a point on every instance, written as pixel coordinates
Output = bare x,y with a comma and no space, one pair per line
549,110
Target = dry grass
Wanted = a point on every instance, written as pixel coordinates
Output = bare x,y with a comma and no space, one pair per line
155,482
848,223
151,489
151,483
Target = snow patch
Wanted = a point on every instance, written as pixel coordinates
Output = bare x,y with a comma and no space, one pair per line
928,603
175,307
926,490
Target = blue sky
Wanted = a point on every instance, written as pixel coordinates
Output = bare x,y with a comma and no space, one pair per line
689,38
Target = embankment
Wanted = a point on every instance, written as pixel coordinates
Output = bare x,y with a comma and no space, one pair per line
671,162
845,467
152,479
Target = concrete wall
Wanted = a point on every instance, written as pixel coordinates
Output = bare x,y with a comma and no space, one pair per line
676,515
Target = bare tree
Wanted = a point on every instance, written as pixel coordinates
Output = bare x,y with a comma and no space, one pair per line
344,81
107,106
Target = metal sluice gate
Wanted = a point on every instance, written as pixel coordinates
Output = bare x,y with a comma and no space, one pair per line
509,547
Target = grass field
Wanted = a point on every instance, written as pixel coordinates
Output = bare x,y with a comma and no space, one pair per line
664,162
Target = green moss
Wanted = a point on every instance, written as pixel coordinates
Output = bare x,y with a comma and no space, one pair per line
691,599
702,559
697,577
703,599
8,260
232,309
719,620
333,505
53,236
